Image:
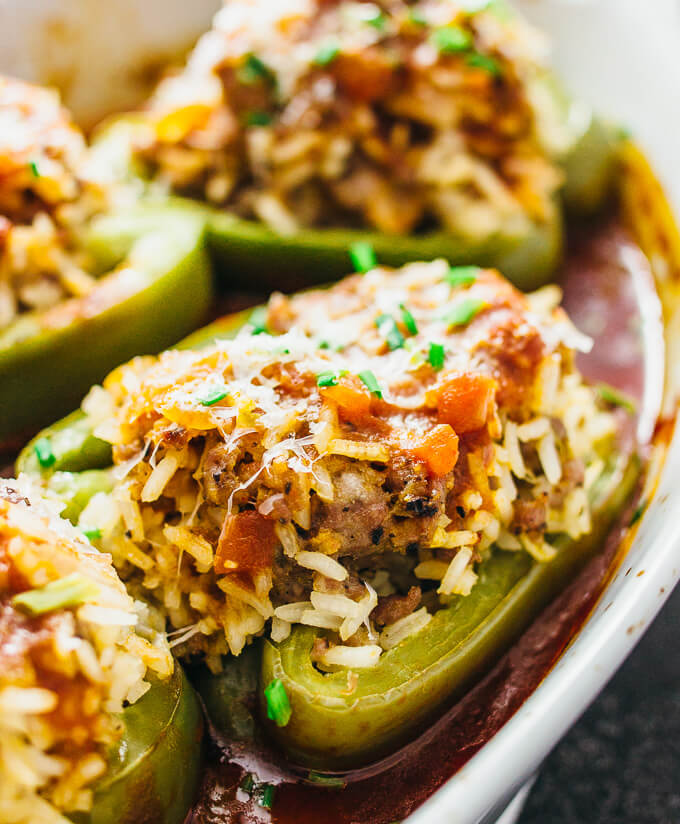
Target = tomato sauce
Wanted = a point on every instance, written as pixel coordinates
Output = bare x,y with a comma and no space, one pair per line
609,293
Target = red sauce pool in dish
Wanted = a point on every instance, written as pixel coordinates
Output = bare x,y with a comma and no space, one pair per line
609,293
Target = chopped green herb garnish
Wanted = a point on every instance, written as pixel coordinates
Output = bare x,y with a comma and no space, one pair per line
499,8
254,70
463,312
387,326
451,39
324,344
70,591
436,356
258,320
409,320
461,275
43,452
614,396
258,119
213,396
247,783
278,705
266,796
325,780
363,256
484,62
417,17
34,168
327,53
377,19
93,534
371,382
330,378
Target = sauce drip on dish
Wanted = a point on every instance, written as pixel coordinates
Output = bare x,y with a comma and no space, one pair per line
609,294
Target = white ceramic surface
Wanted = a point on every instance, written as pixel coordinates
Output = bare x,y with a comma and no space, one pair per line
620,55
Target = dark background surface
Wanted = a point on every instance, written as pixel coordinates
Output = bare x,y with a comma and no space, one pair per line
620,764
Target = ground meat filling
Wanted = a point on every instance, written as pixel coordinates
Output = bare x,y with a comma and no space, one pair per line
69,660
352,470
384,114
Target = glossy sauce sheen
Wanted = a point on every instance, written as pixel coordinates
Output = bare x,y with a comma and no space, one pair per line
606,280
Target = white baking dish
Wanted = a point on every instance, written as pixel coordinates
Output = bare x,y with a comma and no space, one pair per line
615,54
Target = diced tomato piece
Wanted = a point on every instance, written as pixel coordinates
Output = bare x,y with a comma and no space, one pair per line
246,543
351,398
465,401
365,76
437,448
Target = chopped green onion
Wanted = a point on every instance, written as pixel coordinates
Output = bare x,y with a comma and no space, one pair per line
253,70
213,396
266,798
461,275
324,344
258,119
34,168
325,780
329,378
416,17
278,705
463,312
70,591
377,19
436,356
93,534
451,39
43,451
614,396
387,326
327,53
409,320
484,62
247,783
258,320
363,256
371,382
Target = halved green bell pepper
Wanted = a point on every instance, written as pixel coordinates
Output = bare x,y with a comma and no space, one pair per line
48,360
249,254
154,771
331,728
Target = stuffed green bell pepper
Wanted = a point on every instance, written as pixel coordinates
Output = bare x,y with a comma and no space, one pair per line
378,484
79,293
425,130
97,723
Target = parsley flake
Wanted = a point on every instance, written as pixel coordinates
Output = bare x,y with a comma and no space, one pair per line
409,320
388,328
484,62
371,382
451,39
461,275
327,53
363,256
436,355
462,313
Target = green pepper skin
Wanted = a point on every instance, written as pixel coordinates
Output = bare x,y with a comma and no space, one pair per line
44,372
248,253
590,170
331,730
155,771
